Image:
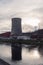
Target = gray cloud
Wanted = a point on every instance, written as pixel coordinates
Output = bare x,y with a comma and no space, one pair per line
20,8
5,2
5,25
10,7
27,28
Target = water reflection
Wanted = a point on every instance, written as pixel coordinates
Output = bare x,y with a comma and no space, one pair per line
34,53
33,56
5,51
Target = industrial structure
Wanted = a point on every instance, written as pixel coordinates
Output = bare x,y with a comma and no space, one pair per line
16,31
16,27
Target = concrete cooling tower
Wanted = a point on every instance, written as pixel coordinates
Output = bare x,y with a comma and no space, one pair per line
16,26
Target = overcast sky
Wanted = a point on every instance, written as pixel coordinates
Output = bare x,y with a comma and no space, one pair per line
19,8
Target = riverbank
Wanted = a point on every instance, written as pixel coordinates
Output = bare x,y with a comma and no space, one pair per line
2,62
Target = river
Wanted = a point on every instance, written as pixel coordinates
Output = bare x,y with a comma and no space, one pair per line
32,57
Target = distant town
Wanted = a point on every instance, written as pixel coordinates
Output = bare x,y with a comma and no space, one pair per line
38,34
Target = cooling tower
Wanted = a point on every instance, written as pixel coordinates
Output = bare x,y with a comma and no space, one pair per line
16,31
16,26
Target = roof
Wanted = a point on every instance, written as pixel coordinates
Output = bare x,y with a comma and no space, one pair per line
6,34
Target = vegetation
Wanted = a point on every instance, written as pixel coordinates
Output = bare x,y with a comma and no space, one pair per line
27,42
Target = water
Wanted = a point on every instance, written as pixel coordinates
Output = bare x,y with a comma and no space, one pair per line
32,57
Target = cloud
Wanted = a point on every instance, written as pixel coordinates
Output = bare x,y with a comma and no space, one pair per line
19,8
38,12
27,28
5,25
9,8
